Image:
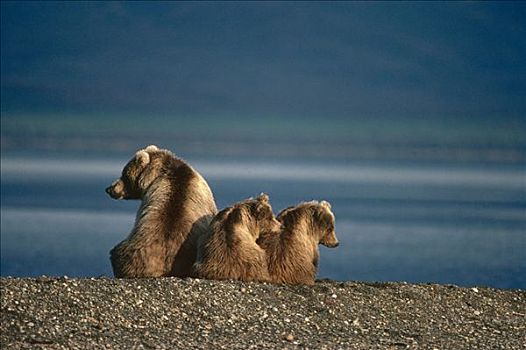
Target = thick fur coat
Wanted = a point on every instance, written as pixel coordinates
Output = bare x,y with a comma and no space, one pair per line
230,251
177,207
293,253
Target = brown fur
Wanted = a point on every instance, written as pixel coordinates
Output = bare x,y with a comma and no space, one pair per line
230,251
177,207
293,254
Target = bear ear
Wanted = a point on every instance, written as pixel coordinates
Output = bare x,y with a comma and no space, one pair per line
263,198
151,148
325,204
233,217
143,157
263,211
325,217
263,208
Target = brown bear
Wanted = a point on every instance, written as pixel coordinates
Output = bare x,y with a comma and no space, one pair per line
293,253
230,250
177,207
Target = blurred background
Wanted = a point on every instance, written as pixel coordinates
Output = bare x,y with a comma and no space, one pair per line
408,117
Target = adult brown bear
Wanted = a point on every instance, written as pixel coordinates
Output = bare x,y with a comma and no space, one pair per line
177,207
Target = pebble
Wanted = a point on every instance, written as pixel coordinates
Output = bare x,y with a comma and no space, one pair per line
172,311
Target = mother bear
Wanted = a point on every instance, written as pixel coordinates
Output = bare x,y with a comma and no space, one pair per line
177,207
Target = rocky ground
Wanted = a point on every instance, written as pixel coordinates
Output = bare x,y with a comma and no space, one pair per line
169,313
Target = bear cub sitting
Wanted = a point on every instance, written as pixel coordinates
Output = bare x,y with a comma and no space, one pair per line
230,250
293,253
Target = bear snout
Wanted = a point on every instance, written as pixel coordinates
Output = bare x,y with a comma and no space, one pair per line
116,190
333,245
109,190
330,242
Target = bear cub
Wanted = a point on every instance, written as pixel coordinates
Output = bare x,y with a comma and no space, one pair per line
177,207
230,250
293,253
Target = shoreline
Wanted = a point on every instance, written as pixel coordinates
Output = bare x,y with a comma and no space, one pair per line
171,313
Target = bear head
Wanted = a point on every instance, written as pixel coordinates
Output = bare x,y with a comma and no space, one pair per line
136,175
325,219
317,215
261,210
254,213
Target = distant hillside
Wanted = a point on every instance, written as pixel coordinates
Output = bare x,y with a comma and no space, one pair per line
352,138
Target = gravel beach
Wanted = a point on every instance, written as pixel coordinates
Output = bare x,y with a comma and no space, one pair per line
170,313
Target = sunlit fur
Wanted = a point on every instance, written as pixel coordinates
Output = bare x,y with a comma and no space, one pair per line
293,253
177,207
230,251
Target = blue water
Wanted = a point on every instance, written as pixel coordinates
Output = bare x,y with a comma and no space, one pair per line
439,223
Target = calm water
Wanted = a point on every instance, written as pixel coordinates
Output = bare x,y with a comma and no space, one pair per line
460,224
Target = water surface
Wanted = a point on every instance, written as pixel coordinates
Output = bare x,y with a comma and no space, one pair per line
441,223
